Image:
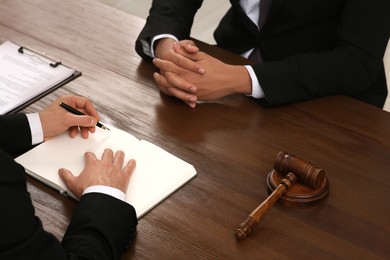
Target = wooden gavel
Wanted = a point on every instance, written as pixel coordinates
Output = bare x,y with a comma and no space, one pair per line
294,169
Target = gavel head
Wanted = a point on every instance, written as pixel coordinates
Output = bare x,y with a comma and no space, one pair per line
305,172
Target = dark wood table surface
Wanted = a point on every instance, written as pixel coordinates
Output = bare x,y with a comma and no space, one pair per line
232,143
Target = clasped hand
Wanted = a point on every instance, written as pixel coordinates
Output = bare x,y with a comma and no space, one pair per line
192,75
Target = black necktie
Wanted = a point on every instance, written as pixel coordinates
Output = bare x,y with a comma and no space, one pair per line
264,9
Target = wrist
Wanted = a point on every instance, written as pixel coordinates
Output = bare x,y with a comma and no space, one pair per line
162,46
42,118
240,80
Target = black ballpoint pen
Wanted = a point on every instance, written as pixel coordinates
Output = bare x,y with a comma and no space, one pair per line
76,112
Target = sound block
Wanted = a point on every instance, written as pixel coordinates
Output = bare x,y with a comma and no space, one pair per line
298,195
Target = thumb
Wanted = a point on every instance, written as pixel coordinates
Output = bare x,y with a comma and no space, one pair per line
82,120
69,179
191,48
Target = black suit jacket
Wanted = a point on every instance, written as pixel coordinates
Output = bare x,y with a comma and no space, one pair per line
101,227
310,48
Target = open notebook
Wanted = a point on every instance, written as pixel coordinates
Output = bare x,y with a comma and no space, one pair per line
157,175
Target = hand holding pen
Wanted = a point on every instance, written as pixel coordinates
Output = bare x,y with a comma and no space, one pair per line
55,119
77,112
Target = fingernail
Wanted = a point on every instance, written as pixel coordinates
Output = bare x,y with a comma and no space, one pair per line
201,71
73,134
192,99
192,89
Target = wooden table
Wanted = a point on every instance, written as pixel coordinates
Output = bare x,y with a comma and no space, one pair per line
232,143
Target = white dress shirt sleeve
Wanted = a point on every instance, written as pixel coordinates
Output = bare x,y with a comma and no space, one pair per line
106,190
36,128
257,91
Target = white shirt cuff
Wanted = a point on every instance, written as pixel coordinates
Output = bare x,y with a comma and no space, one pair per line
35,127
158,37
257,91
106,190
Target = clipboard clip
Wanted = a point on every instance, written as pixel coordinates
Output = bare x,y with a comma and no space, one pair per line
54,62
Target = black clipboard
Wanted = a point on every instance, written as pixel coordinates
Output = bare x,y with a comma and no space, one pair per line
54,64
76,74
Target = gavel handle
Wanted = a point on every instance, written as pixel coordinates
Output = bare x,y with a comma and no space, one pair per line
258,214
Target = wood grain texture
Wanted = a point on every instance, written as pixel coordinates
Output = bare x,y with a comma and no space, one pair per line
232,143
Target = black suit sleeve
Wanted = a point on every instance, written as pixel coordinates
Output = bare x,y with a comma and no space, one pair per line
101,228
173,17
15,133
22,234
346,58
